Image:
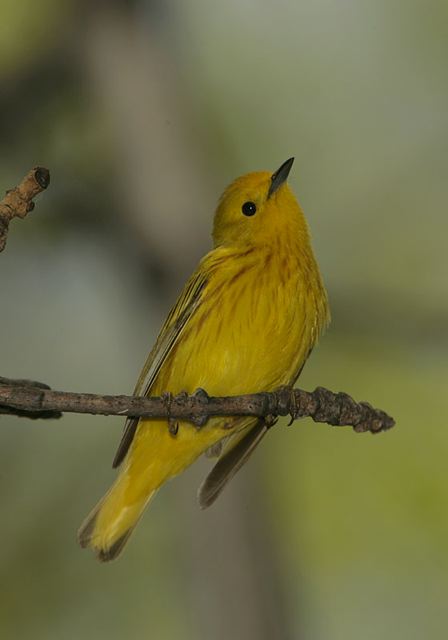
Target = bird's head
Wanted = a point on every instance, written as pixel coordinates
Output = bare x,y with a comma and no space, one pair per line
256,208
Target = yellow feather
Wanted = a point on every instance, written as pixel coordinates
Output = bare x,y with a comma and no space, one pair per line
245,322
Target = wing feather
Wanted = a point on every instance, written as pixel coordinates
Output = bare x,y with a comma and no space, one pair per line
170,333
231,461
236,452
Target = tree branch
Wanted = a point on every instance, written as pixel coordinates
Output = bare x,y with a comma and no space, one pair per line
19,201
36,400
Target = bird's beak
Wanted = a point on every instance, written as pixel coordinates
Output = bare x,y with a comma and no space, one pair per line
280,176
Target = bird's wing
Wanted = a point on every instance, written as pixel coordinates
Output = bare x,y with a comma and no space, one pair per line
240,448
235,453
176,322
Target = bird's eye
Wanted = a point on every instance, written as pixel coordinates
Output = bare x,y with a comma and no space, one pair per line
248,208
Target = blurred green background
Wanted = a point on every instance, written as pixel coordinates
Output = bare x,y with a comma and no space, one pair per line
144,111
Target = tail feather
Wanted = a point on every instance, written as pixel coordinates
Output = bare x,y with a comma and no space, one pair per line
155,457
109,525
104,555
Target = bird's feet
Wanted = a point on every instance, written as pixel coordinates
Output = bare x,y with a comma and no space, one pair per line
173,424
201,399
194,403
269,421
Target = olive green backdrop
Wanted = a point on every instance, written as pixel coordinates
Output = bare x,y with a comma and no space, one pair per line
144,111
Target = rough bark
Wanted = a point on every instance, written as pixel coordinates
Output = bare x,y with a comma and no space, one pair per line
19,201
36,400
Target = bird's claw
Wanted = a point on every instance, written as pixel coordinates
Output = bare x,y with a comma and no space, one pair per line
269,421
293,409
201,397
173,425
198,399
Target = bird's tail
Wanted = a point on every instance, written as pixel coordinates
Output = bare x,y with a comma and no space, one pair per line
154,457
109,525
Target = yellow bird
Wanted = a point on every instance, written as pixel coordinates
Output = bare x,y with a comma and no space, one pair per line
245,322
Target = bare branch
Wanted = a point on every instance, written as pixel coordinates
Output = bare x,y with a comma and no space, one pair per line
36,400
19,201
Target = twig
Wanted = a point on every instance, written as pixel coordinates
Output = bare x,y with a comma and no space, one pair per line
19,201
35,400
26,413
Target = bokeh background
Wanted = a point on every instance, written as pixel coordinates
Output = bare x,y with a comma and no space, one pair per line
144,111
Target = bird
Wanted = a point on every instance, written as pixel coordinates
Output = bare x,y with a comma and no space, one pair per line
245,322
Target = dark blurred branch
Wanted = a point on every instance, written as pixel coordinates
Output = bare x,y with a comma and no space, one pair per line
19,201
35,400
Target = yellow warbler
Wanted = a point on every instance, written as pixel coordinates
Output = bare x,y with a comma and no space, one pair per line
245,322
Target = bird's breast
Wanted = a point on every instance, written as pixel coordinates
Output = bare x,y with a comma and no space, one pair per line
251,332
